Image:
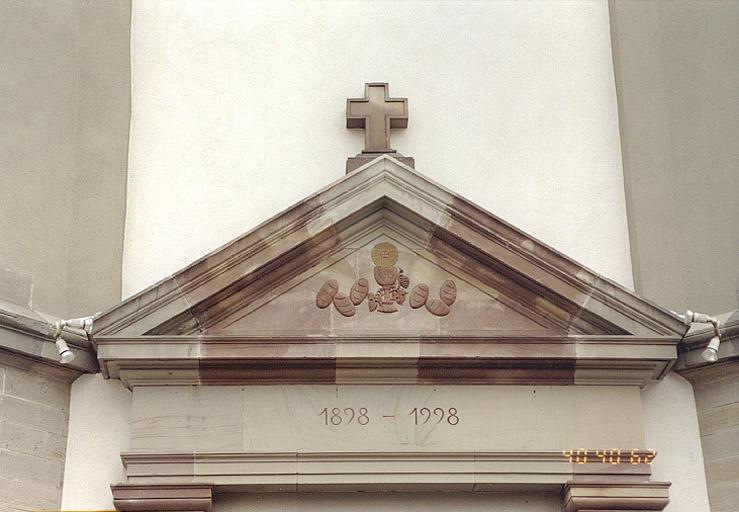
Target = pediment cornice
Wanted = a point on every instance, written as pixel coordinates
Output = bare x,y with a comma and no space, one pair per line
588,329
386,189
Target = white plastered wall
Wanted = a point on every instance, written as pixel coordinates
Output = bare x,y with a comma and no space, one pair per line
671,427
239,112
99,430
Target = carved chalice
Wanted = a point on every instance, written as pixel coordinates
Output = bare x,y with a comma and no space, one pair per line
390,278
393,289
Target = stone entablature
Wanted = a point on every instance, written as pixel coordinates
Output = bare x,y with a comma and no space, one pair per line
467,359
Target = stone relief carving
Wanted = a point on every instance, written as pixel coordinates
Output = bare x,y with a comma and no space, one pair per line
392,292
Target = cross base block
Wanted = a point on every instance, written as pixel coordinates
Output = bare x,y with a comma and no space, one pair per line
355,162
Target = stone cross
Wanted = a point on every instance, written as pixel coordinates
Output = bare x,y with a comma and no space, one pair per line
377,113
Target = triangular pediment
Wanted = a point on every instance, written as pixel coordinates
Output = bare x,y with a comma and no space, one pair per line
417,294
270,280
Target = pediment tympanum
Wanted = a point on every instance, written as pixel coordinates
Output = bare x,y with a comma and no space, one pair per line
417,294
385,271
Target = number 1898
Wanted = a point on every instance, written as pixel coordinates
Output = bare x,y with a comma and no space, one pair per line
337,416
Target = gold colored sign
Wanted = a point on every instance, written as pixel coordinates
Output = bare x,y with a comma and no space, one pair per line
610,456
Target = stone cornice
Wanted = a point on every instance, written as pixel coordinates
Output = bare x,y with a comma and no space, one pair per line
372,471
450,359
31,337
691,364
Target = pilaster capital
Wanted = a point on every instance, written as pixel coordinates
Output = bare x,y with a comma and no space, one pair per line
163,497
610,496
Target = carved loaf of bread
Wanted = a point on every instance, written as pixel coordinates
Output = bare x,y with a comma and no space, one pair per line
344,305
448,292
326,293
419,294
359,291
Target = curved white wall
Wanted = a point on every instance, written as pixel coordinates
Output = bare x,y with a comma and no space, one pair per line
671,427
99,430
238,112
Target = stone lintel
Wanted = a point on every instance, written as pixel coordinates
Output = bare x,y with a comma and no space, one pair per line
612,496
163,497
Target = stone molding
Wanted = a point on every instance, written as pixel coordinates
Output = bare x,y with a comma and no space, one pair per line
609,496
376,471
27,334
218,360
163,497
691,364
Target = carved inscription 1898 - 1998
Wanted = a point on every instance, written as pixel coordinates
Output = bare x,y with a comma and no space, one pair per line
392,292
